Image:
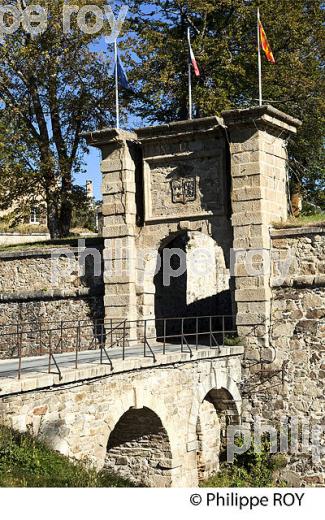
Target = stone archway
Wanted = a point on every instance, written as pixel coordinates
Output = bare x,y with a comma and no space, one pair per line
208,437
218,410
138,448
191,279
216,404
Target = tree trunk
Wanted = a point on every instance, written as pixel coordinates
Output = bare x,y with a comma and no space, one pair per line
65,217
296,199
52,218
66,203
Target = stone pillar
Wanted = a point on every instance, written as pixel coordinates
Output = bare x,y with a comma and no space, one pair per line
259,197
118,167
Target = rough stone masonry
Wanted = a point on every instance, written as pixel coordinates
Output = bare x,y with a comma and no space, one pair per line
220,184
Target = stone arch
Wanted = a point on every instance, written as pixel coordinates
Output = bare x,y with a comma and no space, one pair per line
138,398
138,448
202,287
216,404
220,382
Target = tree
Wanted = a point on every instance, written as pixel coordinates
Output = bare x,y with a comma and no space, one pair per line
84,210
19,181
53,86
224,41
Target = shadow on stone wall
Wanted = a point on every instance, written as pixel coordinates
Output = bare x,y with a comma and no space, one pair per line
171,301
44,308
139,449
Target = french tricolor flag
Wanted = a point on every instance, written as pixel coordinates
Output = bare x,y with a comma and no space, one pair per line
192,57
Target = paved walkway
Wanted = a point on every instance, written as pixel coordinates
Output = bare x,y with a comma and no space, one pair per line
40,364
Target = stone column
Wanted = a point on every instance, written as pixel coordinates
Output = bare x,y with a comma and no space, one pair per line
118,166
258,138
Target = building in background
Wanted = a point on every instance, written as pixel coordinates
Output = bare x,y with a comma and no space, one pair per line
26,220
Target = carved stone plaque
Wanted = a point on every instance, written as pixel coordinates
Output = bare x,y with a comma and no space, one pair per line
183,190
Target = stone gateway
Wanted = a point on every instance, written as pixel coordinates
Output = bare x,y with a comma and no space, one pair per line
177,197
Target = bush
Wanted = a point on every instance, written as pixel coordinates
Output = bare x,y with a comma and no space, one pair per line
27,462
232,341
251,469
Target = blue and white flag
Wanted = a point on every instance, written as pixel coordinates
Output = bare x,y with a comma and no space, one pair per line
121,74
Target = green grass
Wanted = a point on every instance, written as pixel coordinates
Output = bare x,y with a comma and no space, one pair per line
305,220
251,469
23,229
232,341
27,462
51,244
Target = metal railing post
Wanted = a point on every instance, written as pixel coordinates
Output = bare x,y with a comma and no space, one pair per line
19,340
61,335
144,337
210,327
68,332
50,350
223,331
164,347
40,339
123,342
101,342
77,345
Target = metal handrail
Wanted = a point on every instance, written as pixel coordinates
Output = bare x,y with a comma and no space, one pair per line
187,332
96,322
189,348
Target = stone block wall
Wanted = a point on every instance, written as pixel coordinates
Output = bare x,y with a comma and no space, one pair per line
43,289
139,449
160,183
151,425
259,197
223,177
293,384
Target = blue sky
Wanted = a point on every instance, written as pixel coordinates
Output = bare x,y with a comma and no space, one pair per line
92,172
92,160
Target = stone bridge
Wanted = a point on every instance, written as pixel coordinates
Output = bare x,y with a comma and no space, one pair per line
212,185
159,424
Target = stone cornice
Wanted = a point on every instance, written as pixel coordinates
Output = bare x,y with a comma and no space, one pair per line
179,129
265,114
297,231
53,294
108,135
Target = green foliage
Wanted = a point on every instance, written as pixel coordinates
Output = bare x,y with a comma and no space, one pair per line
23,229
225,44
84,210
255,468
232,340
304,220
27,462
52,87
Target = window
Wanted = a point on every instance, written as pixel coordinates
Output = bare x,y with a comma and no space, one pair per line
34,215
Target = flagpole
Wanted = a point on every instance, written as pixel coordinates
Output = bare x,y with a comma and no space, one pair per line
259,59
116,88
189,72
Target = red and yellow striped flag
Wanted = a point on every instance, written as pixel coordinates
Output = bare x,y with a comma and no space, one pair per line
265,44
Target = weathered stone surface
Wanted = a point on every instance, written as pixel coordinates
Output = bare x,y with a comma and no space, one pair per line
138,422
279,295
296,388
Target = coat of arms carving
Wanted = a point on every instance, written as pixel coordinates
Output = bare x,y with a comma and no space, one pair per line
183,190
